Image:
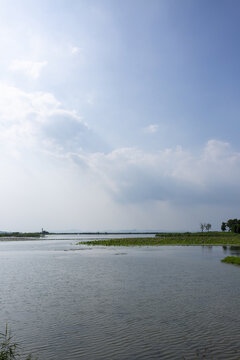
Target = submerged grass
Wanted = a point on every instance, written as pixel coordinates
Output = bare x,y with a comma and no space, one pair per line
200,238
231,260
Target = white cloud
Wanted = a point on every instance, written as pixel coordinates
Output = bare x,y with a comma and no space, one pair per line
151,129
174,175
30,68
37,122
37,119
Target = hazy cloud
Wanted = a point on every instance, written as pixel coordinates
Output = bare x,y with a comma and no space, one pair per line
90,98
75,50
174,175
38,121
30,68
151,129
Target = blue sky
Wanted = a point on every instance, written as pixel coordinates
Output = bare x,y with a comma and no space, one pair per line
119,115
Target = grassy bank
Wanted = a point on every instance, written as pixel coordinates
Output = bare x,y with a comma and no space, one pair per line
201,238
19,235
232,260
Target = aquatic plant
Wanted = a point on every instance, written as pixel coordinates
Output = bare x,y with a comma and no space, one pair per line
199,238
9,348
232,260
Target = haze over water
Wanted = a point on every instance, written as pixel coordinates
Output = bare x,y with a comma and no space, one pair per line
67,301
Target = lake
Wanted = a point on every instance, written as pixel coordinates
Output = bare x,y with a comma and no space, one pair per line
65,301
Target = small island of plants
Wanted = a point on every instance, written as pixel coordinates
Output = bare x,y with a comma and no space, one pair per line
184,239
231,260
221,238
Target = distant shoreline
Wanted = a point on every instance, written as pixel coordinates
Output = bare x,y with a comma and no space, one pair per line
16,238
107,233
40,236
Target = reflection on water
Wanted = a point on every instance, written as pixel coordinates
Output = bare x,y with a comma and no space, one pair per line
232,250
144,303
225,248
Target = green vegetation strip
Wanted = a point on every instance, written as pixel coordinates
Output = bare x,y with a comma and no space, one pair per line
20,235
232,260
203,238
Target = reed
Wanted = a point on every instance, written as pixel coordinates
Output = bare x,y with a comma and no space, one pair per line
9,349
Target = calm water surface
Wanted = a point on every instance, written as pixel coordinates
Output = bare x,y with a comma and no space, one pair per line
65,301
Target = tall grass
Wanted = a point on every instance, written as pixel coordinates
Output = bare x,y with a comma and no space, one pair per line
9,348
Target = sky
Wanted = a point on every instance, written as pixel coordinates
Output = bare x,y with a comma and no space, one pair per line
119,115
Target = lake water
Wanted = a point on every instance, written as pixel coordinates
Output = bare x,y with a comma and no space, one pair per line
65,301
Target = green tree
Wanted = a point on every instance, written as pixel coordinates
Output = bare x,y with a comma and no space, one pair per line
208,226
232,225
223,226
236,228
